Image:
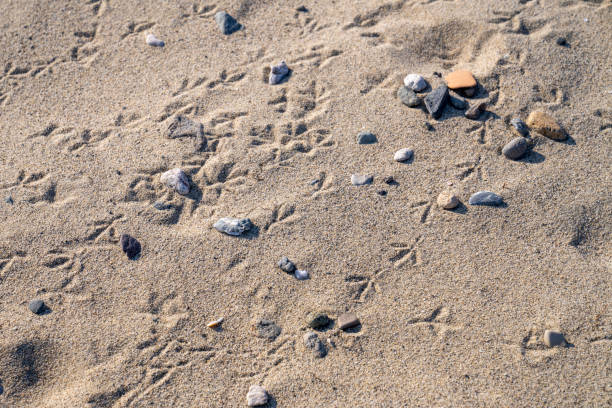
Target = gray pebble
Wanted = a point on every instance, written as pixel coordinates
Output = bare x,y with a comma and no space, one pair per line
515,149
366,138
278,72
360,179
312,342
415,82
403,155
36,306
458,102
347,321
436,100
554,338
475,110
286,265
301,275
519,126
485,198
257,396
318,320
408,97
266,329
233,226
227,23
176,179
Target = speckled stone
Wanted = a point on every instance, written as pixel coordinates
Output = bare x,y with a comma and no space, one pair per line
460,79
36,306
546,125
554,338
153,41
257,396
485,198
130,246
408,97
313,343
366,138
347,321
415,82
436,100
227,23
447,200
176,179
515,149
403,155
233,226
361,180
286,265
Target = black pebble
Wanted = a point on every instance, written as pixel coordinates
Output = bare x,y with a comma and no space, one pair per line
439,75
302,9
382,192
562,41
130,246
36,306
436,101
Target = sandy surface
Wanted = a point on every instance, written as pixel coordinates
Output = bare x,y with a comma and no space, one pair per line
453,304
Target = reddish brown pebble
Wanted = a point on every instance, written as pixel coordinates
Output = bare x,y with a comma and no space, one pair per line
460,79
348,320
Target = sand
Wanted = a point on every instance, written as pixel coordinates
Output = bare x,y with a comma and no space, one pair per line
453,305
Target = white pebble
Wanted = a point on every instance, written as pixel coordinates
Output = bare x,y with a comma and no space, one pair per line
177,180
257,396
153,41
415,82
403,155
301,275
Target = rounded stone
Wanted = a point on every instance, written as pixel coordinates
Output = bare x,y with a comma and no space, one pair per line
227,23
366,138
403,155
447,200
546,125
301,275
360,179
515,149
415,82
36,306
485,198
176,179
233,226
408,97
257,396
458,102
347,321
286,265
475,110
460,79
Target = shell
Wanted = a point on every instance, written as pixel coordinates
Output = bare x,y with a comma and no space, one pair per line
215,323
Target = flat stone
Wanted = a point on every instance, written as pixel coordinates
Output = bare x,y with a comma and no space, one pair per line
519,127
227,23
266,329
312,342
233,226
436,100
408,97
36,306
153,41
360,180
257,396
460,79
301,275
286,265
366,138
176,179
415,82
278,72
516,148
485,198
554,338
447,200
546,125
347,321
130,246
475,110
458,102
318,320
403,155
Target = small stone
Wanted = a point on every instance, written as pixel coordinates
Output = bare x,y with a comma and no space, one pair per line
475,111
460,79
447,200
278,72
36,306
554,338
318,320
130,246
546,125
302,9
366,138
382,192
360,180
312,342
266,329
408,97
436,100
415,82
515,149
301,275
153,41
403,155
227,23
233,226
485,198
457,102
286,265
562,42
348,320
519,127
176,179
390,180
257,396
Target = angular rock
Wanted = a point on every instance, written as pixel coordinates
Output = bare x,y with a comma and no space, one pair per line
36,306
460,79
485,198
301,275
130,246
360,180
546,125
447,200
312,342
347,321
436,100
519,127
266,329
554,338
516,148
257,396
176,179
153,41
408,97
233,226
278,72
475,110
415,82
286,265
403,155
227,23
318,320
458,102
366,138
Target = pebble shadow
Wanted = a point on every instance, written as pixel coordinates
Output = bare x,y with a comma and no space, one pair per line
250,234
533,158
271,402
354,329
460,209
44,310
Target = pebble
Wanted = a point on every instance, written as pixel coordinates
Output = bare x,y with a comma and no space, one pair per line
545,124
278,72
153,41
360,180
266,329
348,320
257,396
475,110
177,180
366,138
286,265
460,79
301,275
515,149
447,200
553,338
436,100
36,306
312,342
318,320
519,127
233,226
227,23
408,97
561,41
403,155
485,198
215,323
130,246
415,82
302,9
457,102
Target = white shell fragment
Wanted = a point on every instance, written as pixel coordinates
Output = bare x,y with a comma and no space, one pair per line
415,82
278,72
403,155
257,396
177,180
153,41
215,323
301,275
233,226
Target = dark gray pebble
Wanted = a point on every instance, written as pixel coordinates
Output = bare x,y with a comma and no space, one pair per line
36,306
286,265
485,198
469,92
408,97
302,9
366,138
130,246
267,329
227,23
516,148
436,100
